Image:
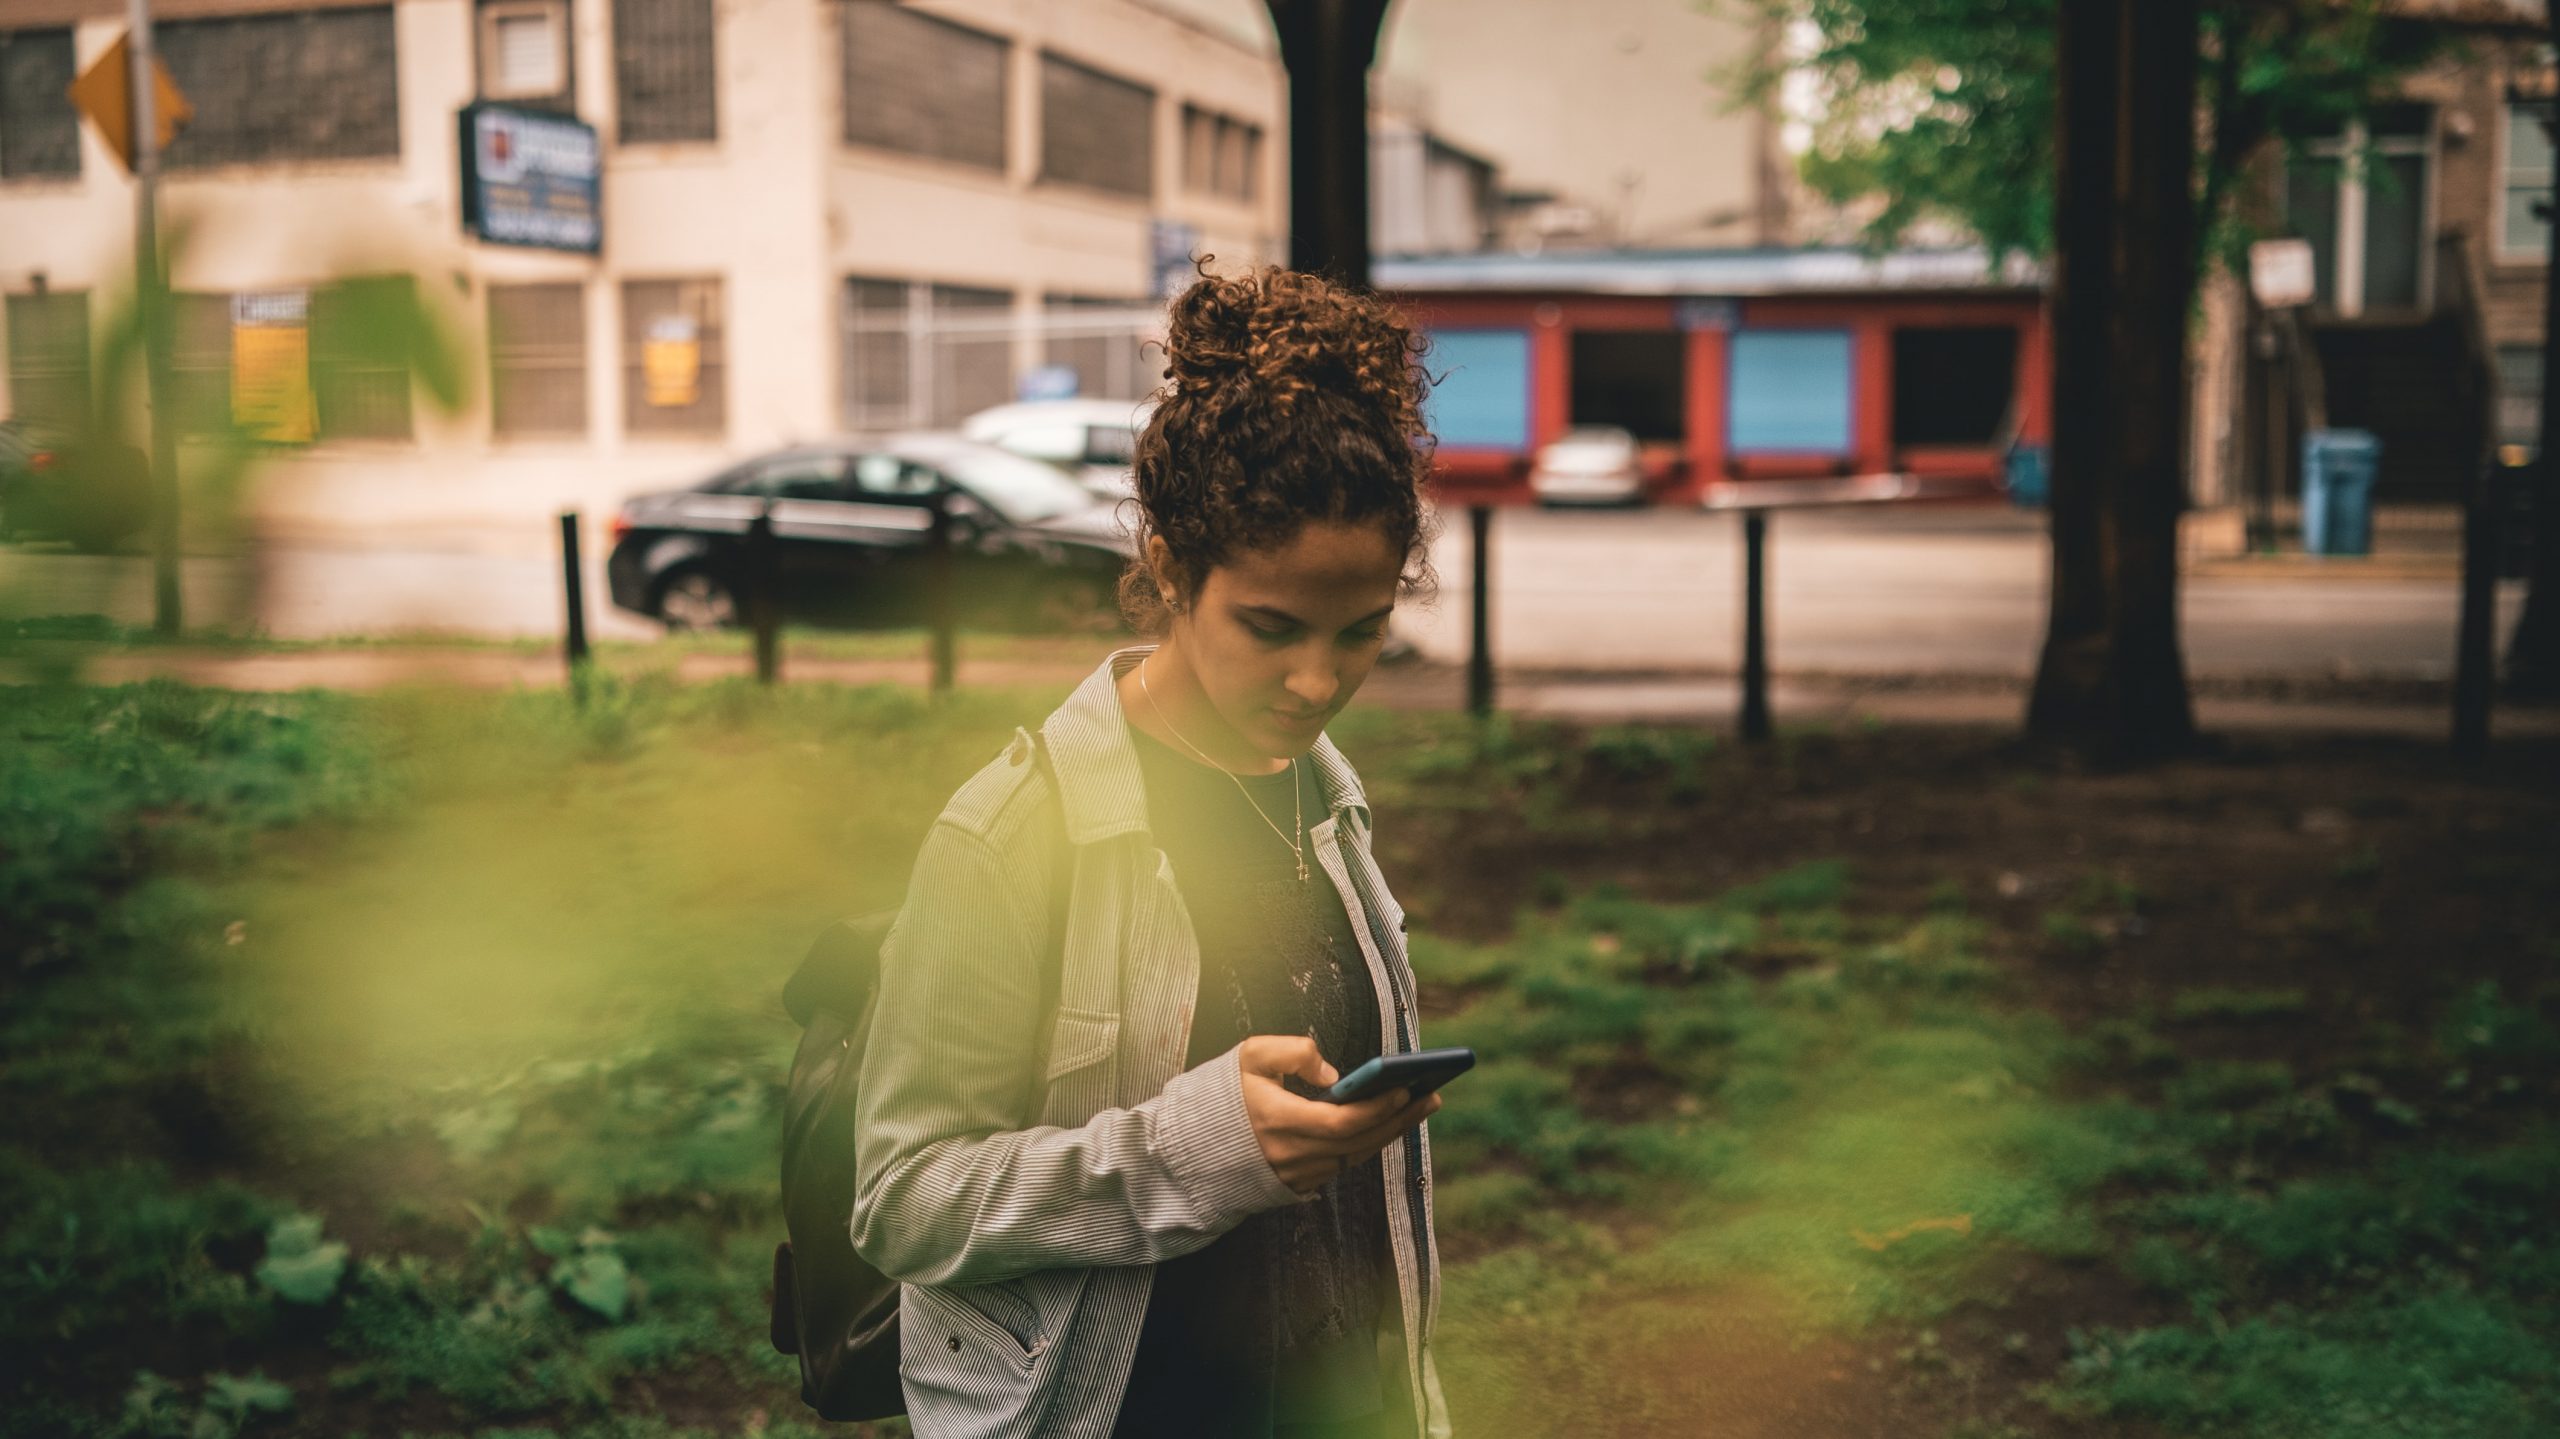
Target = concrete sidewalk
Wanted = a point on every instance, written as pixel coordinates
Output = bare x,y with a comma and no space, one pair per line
2411,709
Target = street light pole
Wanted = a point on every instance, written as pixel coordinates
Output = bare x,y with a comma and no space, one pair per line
151,310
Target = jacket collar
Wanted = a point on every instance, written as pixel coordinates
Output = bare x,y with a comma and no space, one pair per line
1099,784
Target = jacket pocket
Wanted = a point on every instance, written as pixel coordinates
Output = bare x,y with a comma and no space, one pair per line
1081,1037
964,1375
995,1316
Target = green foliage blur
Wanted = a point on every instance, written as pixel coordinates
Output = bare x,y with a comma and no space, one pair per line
97,493
412,1065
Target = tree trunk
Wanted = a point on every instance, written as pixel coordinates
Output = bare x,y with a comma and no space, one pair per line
2533,653
1327,46
2111,682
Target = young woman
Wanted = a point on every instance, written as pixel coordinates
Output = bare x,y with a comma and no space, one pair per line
1088,1149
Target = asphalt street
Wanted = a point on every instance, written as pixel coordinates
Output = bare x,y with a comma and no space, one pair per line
1901,591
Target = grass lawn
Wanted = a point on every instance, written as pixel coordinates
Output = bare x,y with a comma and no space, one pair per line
410,1065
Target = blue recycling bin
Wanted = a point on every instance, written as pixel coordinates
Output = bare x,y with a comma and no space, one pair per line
2027,481
2337,491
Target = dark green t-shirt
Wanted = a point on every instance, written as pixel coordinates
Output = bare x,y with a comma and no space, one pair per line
1270,1330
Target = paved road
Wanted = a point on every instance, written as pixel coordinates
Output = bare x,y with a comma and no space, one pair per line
1881,592
1872,592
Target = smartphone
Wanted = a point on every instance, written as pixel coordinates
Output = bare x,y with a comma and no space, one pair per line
1422,1071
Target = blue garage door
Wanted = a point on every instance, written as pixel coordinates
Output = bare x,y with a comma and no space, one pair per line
1483,401
1791,392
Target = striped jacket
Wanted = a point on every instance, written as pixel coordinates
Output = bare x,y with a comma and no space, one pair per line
1024,1203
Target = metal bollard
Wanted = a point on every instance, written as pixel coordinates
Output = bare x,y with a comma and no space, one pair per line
938,596
1480,644
1755,626
763,614
575,649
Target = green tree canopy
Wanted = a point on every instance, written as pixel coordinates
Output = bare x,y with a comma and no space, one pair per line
1944,109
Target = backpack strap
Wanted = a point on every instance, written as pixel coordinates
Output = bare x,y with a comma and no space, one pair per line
1062,881
838,972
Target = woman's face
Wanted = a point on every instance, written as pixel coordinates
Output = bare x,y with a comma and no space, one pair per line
1280,639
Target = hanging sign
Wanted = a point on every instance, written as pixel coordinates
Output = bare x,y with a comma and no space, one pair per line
271,367
532,179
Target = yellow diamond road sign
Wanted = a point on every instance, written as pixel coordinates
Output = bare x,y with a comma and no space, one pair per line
104,93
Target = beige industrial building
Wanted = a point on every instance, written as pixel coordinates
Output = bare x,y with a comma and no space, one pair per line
808,216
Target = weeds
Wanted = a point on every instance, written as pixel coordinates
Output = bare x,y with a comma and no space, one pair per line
465,1107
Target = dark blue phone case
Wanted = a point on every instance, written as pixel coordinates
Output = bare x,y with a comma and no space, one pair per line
1422,1071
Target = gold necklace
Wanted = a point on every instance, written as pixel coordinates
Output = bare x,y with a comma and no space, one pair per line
1297,846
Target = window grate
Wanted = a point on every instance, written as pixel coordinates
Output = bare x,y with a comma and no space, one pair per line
308,85
1107,356
49,357
1095,129
677,313
1221,155
538,359
359,364
665,72
200,362
920,85
39,129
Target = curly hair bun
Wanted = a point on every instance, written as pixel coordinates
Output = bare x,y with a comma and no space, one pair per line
1290,399
1283,333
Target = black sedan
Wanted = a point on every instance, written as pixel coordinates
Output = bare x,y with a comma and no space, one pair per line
1031,549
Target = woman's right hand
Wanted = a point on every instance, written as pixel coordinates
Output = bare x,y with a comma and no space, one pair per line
1307,1140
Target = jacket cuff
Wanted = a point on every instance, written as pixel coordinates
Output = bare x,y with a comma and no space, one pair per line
1206,1140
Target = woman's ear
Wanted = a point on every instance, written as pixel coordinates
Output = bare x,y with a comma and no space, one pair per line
1162,573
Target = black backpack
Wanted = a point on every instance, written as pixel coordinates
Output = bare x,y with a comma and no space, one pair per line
830,1308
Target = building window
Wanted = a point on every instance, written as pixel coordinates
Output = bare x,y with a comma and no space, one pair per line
876,342
524,54
1953,386
1096,130
362,336
664,71
923,86
49,358
918,354
2524,226
1221,155
307,85
2520,395
39,129
674,358
2361,198
538,360
200,362
972,353
1100,339
1637,380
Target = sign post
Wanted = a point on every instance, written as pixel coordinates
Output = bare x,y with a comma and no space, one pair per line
137,109
2283,275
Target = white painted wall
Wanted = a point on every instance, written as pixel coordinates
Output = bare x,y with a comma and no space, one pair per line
778,208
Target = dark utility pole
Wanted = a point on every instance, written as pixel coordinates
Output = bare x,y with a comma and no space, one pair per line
151,308
2111,682
1327,46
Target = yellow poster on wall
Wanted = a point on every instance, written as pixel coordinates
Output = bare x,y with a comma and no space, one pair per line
271,367
671,362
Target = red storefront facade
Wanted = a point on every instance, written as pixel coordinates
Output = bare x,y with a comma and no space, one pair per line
1733,366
